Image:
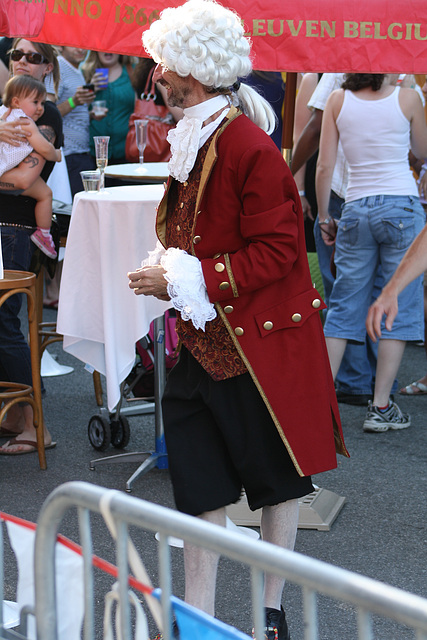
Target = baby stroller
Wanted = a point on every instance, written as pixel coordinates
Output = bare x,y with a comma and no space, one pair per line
115,430
140,381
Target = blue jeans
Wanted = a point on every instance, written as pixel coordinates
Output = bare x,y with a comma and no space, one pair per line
375,231
15,360
356,375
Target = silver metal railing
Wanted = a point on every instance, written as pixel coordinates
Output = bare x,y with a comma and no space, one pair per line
368,596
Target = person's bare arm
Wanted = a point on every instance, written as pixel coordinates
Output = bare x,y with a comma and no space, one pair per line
39,142
308,142
26,173
81,96
302,116
326,162
413,264
413,110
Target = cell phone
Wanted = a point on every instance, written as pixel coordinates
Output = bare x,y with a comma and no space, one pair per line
90,87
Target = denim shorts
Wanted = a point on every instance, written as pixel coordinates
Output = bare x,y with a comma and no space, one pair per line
374,231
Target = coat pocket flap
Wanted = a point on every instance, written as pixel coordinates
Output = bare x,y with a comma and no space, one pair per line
289,314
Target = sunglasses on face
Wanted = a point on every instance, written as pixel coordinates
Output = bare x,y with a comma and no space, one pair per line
32,57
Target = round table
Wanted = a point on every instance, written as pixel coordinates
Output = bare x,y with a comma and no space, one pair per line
149,172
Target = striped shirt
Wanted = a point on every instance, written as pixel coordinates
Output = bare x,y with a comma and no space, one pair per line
75,123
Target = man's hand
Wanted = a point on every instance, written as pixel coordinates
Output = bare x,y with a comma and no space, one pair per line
11,132
149,281
387,305
329,231
422,186
83,96
306,208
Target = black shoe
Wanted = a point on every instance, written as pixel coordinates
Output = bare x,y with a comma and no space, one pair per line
276,627
359,399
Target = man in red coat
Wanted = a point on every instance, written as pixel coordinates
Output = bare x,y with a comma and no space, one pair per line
251,402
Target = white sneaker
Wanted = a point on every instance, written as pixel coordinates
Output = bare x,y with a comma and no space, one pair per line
392,418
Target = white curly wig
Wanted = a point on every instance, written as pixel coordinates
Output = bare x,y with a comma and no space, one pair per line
206,40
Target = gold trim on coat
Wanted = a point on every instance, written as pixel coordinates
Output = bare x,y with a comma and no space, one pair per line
231,275
259,387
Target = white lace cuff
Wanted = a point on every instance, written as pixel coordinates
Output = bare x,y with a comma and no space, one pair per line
186,287
154,256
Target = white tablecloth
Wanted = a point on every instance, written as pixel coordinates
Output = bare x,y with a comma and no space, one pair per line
100,318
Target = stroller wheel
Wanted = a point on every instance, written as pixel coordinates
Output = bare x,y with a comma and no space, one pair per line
99,433
120,432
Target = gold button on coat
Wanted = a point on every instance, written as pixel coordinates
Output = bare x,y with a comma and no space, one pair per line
239,331
224,285
196,239
316,303
268,325
229,309
219,267
296,317
181,206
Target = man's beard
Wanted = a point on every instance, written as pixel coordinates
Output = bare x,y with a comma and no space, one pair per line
178,97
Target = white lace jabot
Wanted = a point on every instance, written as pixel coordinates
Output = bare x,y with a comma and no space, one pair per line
186,136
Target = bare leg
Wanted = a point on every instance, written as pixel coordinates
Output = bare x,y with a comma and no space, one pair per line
43,209
23,419
390,354
279,525
201,568
14,420
51,289
336,348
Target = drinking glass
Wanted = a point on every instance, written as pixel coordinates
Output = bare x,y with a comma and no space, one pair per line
99,107
141,137
101,152
91,180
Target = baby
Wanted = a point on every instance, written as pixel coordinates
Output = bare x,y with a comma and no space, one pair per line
24,97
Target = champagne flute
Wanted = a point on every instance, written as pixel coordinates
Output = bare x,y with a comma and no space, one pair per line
141,137
101,152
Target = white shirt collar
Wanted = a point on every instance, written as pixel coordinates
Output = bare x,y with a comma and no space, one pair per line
189,135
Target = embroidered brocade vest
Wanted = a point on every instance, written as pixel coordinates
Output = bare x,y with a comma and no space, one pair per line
212,348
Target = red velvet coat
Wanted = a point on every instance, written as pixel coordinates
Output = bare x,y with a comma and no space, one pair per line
248,233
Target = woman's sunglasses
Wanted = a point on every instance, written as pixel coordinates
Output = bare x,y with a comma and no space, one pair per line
32,58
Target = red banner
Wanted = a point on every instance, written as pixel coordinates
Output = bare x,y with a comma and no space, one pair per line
303,35
21,17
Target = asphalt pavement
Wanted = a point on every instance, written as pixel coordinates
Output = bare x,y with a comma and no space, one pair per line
381,531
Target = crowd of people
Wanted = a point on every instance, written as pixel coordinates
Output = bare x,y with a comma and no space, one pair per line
248,323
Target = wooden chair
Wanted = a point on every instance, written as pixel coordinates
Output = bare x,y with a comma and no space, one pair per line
15,282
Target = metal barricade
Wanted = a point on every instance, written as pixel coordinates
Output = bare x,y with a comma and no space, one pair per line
369,596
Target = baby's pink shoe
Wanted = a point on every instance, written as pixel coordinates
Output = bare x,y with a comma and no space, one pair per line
44,242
